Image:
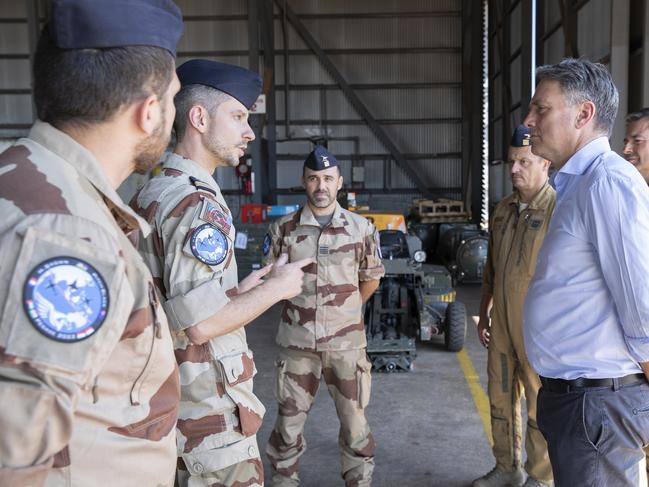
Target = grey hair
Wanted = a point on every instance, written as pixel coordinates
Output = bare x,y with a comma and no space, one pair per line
582,80
639,115
191,95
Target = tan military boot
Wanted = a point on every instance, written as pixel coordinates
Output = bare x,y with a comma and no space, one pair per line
501,478
530,482
278,480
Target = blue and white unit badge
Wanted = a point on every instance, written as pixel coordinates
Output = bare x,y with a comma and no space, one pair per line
209,245
66,299
265,247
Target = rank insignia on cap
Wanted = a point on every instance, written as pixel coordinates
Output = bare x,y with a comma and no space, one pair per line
320,158
521,137
210,213
265,247
209,245
66,299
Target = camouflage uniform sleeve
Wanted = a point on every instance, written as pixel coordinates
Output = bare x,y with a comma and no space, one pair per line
194,290
272,246
488,274
62,316
371,267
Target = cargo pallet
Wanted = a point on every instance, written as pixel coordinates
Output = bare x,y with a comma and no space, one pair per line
440,211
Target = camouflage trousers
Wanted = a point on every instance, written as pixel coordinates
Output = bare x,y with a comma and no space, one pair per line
510,376
249,473
348,379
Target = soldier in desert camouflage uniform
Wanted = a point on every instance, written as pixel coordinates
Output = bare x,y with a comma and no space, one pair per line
191,255
321,330
89,388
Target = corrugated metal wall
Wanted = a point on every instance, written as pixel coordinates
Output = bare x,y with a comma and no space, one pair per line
404,61
590,20
403,57
15,77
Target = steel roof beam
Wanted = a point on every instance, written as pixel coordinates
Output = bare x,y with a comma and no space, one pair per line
358,105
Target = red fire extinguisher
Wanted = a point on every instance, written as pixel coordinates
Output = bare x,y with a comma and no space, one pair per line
247,176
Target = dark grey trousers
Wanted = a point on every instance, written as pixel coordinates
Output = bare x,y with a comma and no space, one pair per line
595,435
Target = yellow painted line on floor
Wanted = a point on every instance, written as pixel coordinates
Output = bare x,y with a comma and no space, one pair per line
479,396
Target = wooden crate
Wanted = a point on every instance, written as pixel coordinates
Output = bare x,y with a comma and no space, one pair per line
440,207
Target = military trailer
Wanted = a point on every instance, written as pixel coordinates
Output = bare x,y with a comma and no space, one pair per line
414,301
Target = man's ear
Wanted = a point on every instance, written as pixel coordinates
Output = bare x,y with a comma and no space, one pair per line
546,164
340,183
148,114
585,114
198,118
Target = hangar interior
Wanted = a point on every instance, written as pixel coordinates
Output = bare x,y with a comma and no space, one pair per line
396,89
417,99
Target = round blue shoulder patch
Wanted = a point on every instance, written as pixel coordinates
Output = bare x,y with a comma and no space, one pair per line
66,299
209,245
265,247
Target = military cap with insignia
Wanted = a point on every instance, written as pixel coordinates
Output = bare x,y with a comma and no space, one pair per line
240,83
521,137
319,159
96,24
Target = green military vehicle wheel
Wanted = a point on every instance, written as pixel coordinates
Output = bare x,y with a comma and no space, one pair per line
455,327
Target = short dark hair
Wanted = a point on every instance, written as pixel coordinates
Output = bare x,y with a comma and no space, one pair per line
582,80
87,86
639,115
192,95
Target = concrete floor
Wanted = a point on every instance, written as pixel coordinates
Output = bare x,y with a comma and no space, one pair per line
425,422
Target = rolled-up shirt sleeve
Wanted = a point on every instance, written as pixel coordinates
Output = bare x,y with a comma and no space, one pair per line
194,290
371,267
618,217
199,303
272,244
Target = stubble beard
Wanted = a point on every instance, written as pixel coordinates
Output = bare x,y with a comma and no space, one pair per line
149,151
221,153
320,203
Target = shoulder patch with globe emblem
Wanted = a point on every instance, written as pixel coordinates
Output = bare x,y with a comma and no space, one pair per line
66,299
209,245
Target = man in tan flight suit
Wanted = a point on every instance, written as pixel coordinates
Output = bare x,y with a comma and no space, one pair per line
321,330
191,255
89,388
518,227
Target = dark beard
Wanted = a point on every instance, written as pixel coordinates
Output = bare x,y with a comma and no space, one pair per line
319,203
148,151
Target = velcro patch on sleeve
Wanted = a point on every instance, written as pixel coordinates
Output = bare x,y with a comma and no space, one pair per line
209,245
66,299
213,214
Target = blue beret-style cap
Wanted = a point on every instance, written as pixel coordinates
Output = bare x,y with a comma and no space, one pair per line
238,82
95,24
521,137
319,159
